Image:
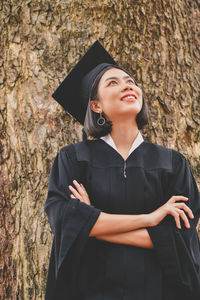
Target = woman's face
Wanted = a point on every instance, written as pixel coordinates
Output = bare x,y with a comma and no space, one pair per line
119,97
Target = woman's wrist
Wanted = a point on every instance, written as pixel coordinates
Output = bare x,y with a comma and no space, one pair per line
146,220
155,217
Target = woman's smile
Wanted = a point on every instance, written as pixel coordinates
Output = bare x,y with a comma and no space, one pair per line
129,98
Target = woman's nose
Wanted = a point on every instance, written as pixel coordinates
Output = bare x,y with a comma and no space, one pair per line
126,87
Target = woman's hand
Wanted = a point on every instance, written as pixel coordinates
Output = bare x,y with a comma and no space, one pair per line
79,193
171,207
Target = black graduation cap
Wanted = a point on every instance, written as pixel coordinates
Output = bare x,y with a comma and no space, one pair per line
74,91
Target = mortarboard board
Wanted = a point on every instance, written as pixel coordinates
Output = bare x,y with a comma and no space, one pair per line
74,91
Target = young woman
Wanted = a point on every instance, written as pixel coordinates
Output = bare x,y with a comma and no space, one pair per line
123,210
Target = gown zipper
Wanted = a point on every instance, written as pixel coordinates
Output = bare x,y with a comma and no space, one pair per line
125,169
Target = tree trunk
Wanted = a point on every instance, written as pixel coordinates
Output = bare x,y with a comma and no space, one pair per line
41,40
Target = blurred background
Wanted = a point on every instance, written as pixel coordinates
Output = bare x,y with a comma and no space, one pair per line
41,40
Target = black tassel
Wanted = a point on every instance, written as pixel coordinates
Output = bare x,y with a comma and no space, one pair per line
84,135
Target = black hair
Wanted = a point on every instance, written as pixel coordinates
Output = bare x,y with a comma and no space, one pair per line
91,126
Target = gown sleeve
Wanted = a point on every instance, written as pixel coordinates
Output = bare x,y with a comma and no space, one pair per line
178,250
71,220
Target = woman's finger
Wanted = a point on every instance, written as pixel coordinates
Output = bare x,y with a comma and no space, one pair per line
177,213
80,193
83,188
173,199
177,219
79,187
184,207
183,217
74,191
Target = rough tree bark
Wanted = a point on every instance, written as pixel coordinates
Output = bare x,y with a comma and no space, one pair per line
41,40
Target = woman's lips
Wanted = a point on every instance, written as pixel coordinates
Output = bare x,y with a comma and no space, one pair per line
129,98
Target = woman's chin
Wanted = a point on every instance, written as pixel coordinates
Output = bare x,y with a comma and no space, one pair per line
124,115
130,111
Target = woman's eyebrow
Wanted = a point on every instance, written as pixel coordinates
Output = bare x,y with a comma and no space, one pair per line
127,76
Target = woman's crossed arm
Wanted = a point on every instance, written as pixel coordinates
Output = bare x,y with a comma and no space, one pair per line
130,229
137,238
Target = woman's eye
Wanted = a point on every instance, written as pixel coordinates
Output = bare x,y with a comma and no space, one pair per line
112,82
131,81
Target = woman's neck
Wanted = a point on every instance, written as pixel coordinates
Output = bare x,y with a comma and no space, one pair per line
124,134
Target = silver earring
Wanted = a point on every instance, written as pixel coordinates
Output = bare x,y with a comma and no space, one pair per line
101,120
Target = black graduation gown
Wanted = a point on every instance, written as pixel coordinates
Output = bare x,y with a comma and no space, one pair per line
83,267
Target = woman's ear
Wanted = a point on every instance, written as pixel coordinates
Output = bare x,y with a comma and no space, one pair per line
95,106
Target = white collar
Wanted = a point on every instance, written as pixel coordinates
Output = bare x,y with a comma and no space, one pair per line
138,140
